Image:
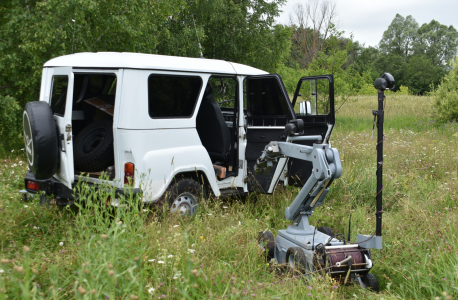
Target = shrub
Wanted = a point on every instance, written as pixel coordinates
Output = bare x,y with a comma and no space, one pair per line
446,96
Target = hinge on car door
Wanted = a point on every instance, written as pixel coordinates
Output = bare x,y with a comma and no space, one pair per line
68,129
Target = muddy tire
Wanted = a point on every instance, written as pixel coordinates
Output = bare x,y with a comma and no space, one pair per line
40,139
93,147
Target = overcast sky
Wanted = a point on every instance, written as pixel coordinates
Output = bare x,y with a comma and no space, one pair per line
368,19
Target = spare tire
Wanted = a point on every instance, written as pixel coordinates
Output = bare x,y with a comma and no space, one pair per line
40,139
93,147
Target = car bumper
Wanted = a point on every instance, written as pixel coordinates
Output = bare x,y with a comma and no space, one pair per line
61,193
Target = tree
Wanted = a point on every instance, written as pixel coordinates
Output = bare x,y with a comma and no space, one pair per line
437,42
313,24
400,37
420,74
242,31
446,95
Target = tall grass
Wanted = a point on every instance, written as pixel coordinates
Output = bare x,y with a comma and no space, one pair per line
92,251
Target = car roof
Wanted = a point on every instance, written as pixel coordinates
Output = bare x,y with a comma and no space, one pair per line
127,60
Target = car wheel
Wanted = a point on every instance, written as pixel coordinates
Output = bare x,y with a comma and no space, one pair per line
184,197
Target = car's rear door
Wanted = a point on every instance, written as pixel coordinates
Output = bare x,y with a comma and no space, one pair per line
60,99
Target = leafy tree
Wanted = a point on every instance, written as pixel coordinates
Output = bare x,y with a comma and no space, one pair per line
446,95
437,42
400,37
242,31
420,74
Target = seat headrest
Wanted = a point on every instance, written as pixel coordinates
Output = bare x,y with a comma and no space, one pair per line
208,94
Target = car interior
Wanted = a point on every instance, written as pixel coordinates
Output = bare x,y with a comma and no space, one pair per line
216,124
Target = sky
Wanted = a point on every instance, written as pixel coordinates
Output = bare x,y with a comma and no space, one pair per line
368,19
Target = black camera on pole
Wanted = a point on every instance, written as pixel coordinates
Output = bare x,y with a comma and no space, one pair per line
386,82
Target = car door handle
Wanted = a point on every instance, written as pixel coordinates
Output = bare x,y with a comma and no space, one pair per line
62,142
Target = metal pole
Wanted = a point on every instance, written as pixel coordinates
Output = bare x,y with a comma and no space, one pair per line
380,138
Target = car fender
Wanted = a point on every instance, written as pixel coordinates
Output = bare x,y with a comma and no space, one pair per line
165,164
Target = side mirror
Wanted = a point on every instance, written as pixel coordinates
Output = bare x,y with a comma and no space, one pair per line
305,108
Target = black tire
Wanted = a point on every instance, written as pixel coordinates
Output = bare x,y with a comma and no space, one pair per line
93,147
266,241
371,282
40,139
297,261
183,197
326,230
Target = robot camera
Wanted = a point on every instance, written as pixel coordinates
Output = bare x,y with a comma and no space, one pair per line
386,82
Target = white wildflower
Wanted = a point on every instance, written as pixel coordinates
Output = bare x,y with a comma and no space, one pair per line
225,207
160,262
151,260
26,206
2,271
176,225
35,227
170,256
240,223
191,250
151,290
61,244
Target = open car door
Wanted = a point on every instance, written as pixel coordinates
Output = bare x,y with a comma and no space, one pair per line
268,111
314,98
61,102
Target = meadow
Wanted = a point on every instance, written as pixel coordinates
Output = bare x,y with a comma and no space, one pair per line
139,252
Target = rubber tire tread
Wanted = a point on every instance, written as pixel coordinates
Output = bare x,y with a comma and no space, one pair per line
102,156
326,230
300,260
44,138
267,238
371,282
182,186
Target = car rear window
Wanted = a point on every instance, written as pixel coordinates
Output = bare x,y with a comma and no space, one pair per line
172,96
59,94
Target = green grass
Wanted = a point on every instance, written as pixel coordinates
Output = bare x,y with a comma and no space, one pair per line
124,253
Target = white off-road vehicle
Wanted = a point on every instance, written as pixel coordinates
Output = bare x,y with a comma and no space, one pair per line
167,127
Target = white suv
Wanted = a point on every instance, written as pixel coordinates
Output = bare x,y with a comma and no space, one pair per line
168,127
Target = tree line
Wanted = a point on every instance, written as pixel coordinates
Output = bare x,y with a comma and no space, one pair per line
243,31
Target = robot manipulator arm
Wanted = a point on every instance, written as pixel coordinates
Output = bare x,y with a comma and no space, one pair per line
326,167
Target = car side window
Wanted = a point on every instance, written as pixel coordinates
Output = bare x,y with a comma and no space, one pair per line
171,96
59,94
266,98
